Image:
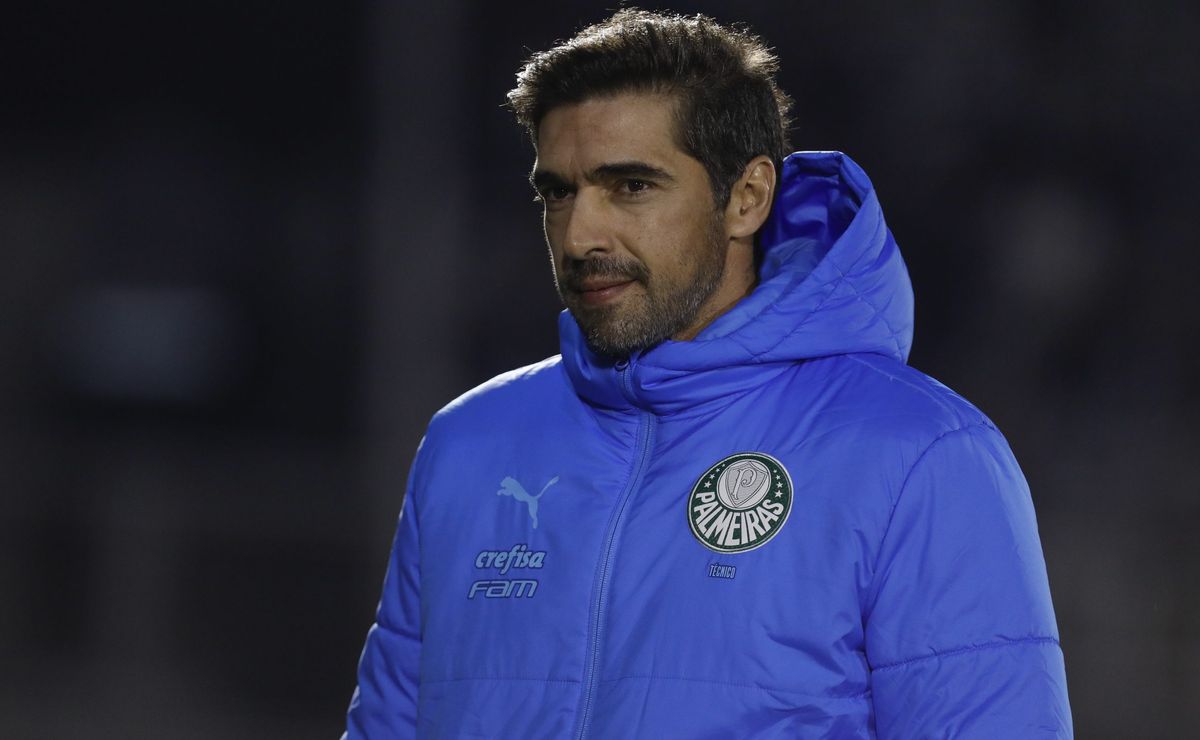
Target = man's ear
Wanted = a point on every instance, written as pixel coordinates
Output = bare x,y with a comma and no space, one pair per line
751,198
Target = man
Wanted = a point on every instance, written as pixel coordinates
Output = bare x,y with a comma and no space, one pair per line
728,509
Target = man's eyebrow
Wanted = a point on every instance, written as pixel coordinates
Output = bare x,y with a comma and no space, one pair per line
634,169
541,179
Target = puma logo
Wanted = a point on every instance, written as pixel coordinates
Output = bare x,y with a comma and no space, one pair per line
510,487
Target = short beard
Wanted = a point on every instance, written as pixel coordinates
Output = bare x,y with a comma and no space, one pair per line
661,311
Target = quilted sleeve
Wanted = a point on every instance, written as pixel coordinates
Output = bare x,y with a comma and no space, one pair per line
960,630
385,703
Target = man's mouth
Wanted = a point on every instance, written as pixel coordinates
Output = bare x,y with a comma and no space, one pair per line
598,291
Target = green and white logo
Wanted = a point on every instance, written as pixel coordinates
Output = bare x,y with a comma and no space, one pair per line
740,503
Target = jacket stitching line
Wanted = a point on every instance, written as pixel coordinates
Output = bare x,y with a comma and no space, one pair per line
900,495
833,285
895,335
499,678
930,393
859,695
968,649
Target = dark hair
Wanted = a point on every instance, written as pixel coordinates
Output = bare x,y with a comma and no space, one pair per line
728,106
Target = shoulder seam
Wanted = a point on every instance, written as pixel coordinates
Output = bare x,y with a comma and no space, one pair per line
968,649
927,392
945,399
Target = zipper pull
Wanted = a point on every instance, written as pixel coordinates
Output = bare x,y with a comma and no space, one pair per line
624,368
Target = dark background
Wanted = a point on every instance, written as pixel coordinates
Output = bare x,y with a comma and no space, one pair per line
250,247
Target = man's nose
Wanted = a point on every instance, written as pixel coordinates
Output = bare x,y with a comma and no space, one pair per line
586,232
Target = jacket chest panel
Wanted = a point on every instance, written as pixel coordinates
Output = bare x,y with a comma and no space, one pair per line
784,613
505,588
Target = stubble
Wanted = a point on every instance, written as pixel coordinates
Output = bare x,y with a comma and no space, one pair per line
657,306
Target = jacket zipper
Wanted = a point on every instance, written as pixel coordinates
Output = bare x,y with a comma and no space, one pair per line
641,454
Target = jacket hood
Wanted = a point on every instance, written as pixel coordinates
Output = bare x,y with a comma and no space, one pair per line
831,282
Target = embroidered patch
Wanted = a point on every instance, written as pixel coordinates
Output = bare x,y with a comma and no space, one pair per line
740,503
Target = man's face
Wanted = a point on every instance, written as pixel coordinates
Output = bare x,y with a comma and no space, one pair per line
637,245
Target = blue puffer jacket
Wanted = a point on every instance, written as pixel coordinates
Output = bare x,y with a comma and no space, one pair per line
776,530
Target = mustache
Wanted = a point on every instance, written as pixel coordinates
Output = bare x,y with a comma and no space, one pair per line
575,271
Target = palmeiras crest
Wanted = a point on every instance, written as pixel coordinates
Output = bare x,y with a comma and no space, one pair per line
740,503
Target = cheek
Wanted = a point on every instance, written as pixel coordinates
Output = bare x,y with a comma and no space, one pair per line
654,235
676,242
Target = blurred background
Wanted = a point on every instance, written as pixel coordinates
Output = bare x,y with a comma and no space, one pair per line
249,247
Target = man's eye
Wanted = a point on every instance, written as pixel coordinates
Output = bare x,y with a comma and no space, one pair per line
636,186
553,194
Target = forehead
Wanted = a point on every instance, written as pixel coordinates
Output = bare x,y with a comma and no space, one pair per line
614,128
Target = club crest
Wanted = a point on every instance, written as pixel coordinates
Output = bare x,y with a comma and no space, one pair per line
740,503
